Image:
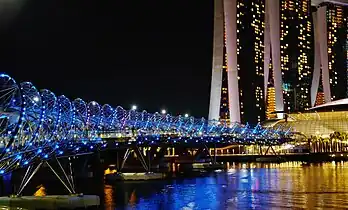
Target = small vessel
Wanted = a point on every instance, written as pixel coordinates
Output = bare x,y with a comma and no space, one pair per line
134,176
201,167
270,159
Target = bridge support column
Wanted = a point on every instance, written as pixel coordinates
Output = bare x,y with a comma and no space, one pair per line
208,151
125,157
146,164
31,171
141,158
270,147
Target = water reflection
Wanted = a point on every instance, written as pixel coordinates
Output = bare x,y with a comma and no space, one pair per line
244,186
108,197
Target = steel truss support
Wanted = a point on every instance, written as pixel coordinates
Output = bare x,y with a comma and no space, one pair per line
27,177
67,182
267,150
139,155
141,158
125,157
213,159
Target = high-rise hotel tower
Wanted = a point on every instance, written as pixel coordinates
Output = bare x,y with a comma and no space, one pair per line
330,74
296,53
237,80
265,52
265,47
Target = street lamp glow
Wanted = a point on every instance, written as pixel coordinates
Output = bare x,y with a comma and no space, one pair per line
134,107
186,115
163,111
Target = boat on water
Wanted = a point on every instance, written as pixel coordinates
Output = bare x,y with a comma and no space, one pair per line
134,176
201,167
272,159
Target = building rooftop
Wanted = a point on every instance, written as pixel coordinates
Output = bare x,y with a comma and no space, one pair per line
342,104
317,2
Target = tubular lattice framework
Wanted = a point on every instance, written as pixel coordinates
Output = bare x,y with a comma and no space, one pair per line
36,125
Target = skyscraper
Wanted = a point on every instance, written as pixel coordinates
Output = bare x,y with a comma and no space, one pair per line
272,56
243,31
296,50
330,68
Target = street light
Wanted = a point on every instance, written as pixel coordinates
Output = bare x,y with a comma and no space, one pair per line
163,111
186,115
134,107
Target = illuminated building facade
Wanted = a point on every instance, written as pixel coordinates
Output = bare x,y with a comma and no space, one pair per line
271,105
337,49
250,37
331,53
242,63
321,120
277,56
296,49
224,112
320,99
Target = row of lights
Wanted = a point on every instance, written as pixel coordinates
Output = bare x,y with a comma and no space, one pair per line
163,111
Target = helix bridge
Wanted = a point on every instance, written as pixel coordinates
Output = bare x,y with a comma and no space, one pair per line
37,125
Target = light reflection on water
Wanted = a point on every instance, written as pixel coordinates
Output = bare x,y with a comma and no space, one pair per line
244,186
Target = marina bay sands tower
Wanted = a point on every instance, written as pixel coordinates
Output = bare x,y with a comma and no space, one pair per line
241,29
277,56
330,75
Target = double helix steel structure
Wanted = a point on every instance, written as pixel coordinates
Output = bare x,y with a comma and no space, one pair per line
36,125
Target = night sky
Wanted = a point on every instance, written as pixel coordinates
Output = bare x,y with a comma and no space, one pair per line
156,54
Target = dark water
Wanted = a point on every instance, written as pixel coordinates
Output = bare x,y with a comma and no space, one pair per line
244,186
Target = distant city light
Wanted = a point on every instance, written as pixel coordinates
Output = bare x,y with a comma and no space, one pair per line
134,107
186,115
163,111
